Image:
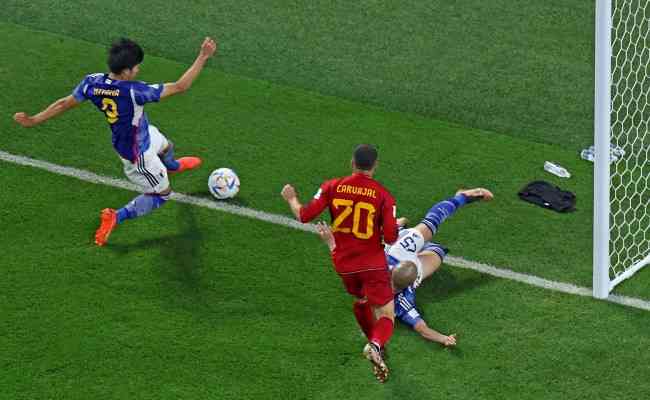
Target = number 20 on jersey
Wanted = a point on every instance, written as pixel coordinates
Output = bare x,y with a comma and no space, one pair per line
356,211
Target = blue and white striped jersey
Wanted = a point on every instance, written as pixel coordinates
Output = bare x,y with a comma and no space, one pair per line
405,307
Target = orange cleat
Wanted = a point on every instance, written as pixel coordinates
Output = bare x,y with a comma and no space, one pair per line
108,218
187,163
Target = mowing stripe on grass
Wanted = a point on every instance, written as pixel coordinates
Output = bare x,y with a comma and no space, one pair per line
290,222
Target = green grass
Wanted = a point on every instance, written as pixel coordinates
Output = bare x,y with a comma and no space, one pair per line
192,303
522,68
253,127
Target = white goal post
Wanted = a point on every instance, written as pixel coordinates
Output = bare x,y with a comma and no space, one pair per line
621,121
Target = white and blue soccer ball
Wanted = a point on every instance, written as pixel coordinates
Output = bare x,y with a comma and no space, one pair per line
223,183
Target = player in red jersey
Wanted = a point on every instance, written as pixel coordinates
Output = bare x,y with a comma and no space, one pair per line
363,212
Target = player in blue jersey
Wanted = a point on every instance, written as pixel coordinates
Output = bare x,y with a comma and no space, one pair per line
147,155
413,258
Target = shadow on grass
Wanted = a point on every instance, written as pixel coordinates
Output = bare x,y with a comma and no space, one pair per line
183,255
180,254
444,284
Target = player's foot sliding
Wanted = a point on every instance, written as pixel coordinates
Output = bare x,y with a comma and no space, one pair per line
446,208
186,164
373,353
108,219
477,194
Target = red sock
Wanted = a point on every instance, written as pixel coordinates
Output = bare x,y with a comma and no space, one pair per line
364,315
382,331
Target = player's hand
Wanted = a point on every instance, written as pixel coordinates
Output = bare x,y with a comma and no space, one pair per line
24,119
477,194
288,192
208,48
402,222
449,341
326,235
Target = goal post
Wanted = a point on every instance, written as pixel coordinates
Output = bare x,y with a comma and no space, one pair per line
621,122
602,114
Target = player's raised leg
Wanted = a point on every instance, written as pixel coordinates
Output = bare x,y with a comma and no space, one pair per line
165,150
439,212
176,165
181,164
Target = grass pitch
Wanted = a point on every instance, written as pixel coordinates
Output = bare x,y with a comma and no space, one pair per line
523,68
194,303
197,304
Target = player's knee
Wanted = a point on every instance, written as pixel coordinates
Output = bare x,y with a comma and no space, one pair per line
388,315
167,148
386,311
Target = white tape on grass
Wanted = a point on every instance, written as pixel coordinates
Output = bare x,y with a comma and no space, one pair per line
290,222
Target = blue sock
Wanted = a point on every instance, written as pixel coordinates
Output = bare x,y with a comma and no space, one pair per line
141,205
168,159
443,210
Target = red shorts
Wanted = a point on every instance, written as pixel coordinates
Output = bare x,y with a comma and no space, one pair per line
374,285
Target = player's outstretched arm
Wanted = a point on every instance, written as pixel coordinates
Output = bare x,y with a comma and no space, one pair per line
326,235
427,333
208,49
291,197
311,210
55,109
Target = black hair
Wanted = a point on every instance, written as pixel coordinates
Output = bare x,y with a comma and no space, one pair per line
365,156
124,54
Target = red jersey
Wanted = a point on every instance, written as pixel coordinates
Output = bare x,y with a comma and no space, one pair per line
362,211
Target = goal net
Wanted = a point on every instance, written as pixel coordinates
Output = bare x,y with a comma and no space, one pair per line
622,124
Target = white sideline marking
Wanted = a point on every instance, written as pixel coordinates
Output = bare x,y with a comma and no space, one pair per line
290,222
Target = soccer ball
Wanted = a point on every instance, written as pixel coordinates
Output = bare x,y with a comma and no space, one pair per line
223,183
